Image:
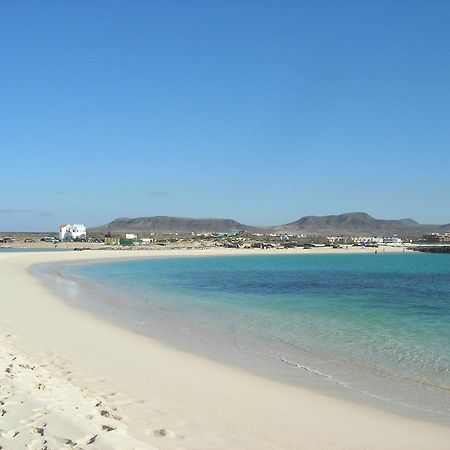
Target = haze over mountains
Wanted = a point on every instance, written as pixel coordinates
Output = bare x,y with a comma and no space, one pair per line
343,224
166,224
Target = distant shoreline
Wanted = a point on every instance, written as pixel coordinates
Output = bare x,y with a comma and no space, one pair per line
181,247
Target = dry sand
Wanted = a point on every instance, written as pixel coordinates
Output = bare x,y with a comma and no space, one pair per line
70,380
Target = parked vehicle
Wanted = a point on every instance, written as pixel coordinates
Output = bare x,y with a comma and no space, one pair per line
7,240
50,239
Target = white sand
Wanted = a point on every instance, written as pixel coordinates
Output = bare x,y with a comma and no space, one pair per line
71,380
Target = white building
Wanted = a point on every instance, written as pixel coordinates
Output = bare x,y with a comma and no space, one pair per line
392,241
75,231
371,240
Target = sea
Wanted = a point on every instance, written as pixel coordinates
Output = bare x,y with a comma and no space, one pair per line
374,327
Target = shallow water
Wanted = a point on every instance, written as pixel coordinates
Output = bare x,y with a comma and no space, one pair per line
377,324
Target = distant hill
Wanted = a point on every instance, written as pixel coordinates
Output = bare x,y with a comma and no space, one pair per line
165,224
353,223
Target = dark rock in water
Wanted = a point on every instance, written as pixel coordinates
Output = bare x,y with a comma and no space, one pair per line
434,249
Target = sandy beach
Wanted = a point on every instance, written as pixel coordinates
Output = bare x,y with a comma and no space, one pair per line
72,380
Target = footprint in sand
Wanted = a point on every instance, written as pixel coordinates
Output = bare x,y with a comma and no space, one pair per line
39,430
91,440
160,433
164,433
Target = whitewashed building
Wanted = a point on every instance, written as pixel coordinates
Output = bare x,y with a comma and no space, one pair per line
371,240
75,231
392,241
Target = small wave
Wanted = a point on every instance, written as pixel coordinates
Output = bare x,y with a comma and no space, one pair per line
346,385
323,375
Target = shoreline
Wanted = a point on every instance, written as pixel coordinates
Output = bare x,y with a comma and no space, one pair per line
198,402
69,246
244,352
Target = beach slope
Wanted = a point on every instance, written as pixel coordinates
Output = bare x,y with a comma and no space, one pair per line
71,380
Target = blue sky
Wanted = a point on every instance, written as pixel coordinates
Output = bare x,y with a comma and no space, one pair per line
261,111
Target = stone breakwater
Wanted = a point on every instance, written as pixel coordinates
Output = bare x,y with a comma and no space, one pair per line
434,249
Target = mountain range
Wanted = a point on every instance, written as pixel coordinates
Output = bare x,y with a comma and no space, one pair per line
343,224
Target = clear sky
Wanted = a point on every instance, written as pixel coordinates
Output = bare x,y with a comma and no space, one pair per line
261,111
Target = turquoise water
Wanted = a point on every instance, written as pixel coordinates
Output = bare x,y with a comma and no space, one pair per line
355,319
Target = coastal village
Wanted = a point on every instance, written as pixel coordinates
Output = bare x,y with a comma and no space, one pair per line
77,235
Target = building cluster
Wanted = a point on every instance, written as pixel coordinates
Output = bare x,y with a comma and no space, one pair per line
244,239
239,239
437,238
365,241
75,232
